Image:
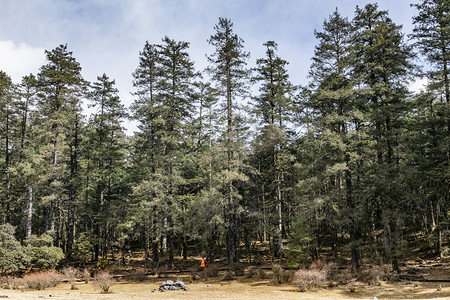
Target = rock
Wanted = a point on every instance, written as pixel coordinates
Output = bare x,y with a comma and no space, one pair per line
170,285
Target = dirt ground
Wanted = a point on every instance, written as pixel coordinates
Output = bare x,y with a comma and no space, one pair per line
134,284
236,289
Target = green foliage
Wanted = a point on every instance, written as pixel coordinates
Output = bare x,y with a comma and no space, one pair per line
43,254
83,248
102,264
302,241
12,254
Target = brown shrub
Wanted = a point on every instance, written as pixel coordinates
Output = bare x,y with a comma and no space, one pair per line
104,280
287,275
239,270
277,271
343,277
229,275
70,273
309,279
213,271
262,274
162,271
86,275
250,272
10,283
372,276
330,268
192,277
319,265
352,287
42,280
332,271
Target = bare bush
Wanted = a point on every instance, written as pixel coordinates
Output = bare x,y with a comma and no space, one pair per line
192,277
287,275
262,274
239,270
307,280
319,265
330,268
70,273
10,283
352,287
250,272
372,276
343,277
213,271
162,271
42,280
229,275
332,271
277,271
104,280
86,276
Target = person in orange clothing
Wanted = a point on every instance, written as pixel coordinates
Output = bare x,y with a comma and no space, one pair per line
204,263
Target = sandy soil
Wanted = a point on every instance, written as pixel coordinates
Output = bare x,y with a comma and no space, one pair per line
242,289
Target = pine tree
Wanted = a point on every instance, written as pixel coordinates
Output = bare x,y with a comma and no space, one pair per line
27,153
432,33
228,71
7,95
165,88
336,123
274,105
106,156
60,90
146,146
177,75
382,68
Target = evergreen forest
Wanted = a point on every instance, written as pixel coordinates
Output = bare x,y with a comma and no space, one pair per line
231,162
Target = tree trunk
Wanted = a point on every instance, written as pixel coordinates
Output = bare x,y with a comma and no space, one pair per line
439,230
8,179
170,242
147,244
29,212
350,205
264,213
155,253
280,222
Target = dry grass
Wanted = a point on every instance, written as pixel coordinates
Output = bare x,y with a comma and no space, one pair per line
235,289
258,286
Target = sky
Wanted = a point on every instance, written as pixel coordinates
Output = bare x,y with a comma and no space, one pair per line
106,36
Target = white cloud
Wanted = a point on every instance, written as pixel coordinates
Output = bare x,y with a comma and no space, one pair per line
418,85
20,60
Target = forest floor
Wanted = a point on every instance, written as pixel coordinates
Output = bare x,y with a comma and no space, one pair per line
236,289
140,286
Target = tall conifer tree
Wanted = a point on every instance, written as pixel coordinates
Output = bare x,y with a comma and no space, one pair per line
60,90
382,70
274,107
228,70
